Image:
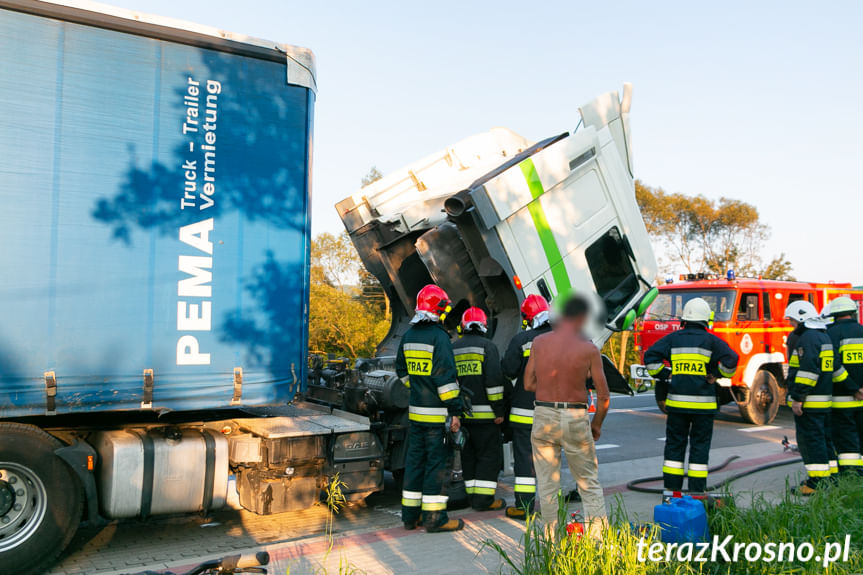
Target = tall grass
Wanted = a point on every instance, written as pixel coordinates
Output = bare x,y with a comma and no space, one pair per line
826,517
335,502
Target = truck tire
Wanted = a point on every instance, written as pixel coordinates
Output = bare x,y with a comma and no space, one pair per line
41,500
762,402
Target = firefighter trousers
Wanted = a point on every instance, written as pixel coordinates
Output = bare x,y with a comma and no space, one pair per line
831,449
696,430
481,461
428,465
847,428
811,429
525,474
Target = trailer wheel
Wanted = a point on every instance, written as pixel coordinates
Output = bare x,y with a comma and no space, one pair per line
762,403
40,500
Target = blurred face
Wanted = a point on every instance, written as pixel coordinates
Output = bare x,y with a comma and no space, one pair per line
574,323
794,323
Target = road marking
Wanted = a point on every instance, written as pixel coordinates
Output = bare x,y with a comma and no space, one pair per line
636,396
759,428
607,446
660,439
632,409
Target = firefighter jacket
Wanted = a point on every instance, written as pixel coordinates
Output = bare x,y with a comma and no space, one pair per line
513,364
810,369
846,335
425,363
693,353
477,362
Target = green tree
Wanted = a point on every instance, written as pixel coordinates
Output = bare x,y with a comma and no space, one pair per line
706,235
343,319
779,268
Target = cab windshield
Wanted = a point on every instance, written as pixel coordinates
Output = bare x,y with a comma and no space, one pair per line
668,305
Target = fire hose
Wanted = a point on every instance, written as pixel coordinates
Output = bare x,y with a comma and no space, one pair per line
635,484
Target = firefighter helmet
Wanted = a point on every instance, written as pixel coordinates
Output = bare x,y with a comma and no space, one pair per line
696,310
434,300
842,305
801,311
532,306
474,317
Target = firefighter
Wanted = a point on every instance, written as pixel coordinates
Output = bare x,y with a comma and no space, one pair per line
426,365
536,321
478,364
697,358
810,390
846,335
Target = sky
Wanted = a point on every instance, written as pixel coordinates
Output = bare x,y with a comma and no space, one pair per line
757,101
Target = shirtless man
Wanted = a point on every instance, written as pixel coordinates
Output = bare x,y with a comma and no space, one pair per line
560,364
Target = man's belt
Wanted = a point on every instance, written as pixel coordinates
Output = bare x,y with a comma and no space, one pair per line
560,404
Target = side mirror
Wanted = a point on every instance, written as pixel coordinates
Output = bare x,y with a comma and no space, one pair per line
645,301
625,322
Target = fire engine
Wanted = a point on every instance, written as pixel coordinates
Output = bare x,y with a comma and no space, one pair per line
749,315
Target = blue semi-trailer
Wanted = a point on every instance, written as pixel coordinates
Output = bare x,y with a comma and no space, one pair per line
154,178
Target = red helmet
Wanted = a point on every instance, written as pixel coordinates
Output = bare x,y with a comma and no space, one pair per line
433,299
472,316
532,306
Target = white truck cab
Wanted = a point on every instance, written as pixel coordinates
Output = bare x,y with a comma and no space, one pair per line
496,217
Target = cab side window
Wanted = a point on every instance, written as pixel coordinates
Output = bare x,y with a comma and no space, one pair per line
747,310
612,271
765,303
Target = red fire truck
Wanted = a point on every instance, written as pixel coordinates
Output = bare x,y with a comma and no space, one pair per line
748,315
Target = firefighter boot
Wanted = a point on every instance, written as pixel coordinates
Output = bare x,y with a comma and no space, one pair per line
516,512
803,489
451,525
414,525
496,505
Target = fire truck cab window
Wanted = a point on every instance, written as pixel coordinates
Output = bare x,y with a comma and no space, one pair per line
795,297
612,271
765,301
668,305
747,310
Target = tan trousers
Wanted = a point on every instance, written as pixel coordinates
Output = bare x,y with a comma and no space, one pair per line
569,429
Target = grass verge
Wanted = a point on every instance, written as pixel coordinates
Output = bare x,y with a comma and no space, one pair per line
827,518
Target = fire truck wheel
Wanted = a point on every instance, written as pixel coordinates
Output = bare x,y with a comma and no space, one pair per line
40,500
763,401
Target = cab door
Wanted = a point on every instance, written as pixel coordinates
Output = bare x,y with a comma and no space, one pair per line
776,329
752,336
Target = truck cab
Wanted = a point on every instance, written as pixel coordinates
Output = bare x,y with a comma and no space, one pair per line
749,316
496,217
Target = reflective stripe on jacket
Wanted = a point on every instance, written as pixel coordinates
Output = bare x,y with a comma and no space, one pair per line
425,357
513,364
693,353
810,369
846,335
477,362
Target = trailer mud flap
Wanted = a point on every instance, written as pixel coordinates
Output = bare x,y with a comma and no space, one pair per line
82,458
209,469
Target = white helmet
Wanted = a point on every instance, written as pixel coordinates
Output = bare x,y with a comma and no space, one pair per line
825,316
841,306
804,312
696,309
